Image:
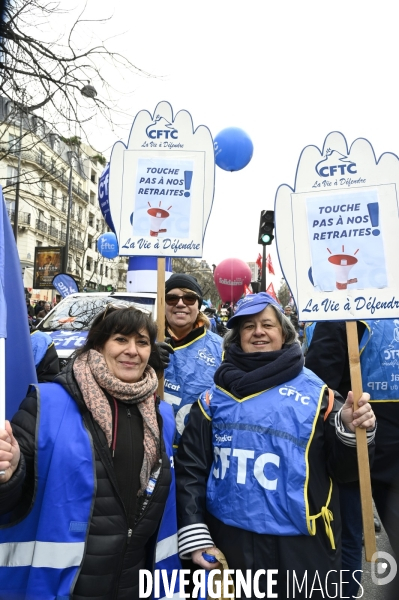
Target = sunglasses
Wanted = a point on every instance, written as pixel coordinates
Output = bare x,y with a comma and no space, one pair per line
111,307
188,299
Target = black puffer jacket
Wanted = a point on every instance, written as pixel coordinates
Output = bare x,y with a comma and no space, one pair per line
110,568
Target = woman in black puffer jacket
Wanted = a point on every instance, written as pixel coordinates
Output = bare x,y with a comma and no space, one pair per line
107,396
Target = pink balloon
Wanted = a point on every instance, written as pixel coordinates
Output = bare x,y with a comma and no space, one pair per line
230,277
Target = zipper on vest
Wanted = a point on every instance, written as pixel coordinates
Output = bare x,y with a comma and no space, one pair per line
156,487
129,535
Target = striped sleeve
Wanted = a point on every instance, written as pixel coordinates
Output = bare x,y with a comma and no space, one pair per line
348,437
193,537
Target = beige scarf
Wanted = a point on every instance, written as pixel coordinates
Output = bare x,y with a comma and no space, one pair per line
92,373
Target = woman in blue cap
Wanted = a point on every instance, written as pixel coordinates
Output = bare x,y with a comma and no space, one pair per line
257,461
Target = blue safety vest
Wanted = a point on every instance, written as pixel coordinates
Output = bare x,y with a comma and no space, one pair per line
166,552
214,328
40,556
307,336
379,360
189,373
260,474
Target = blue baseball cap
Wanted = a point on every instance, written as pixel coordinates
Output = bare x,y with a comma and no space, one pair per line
251,305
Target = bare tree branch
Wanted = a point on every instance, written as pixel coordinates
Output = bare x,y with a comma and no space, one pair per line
47,72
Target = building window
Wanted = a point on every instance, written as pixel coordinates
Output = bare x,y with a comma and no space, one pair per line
53,196
91,220
12,175
106,271
40,129
101,268
10,205
13,112
80,212
64,203
88,264
12,143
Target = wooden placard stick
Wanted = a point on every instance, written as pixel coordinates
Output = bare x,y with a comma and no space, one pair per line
361,443
161,311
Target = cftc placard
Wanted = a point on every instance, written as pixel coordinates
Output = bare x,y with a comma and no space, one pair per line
161,185
337,232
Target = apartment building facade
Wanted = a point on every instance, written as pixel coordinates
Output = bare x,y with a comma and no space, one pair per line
45,160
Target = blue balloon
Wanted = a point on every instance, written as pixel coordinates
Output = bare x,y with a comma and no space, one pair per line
233,149
107,245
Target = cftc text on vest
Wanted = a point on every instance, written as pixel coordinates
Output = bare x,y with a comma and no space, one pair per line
172,584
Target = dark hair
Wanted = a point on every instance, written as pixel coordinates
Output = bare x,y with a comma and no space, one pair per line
127,320
234,335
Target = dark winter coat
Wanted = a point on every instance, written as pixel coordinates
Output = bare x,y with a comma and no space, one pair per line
110,568
328,456
328,358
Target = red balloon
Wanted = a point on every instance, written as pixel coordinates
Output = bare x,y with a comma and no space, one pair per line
230,277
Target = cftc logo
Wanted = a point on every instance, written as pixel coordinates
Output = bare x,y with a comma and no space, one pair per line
161,129
335,163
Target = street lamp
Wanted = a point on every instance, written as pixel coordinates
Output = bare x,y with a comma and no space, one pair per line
70,154
88,91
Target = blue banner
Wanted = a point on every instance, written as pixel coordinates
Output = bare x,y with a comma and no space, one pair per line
20,366
68,340
3,306
103,197
148,263
65,284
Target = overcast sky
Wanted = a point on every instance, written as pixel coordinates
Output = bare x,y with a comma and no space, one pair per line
286,72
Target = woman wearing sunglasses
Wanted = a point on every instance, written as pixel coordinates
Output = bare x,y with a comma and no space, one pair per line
197,351
87,472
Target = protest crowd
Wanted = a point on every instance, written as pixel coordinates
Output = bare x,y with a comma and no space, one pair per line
261,437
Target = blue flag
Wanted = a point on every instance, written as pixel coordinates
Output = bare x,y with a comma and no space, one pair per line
65,284
3,306
103,197
20,367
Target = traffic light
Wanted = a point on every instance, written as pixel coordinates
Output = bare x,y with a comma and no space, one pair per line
266,227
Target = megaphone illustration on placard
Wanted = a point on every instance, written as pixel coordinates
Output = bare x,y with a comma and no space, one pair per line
342,264
157,217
